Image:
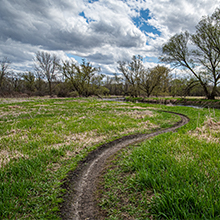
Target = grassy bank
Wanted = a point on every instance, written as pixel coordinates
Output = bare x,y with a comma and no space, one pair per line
42,139
187,101
172,176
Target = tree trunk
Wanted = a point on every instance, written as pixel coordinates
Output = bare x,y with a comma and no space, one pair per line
50,90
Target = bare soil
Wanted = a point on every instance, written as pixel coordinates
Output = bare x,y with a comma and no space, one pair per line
79,200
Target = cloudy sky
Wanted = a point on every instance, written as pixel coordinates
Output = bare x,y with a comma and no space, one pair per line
101,31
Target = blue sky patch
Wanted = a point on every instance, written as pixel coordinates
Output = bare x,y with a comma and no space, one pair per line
77,58
151,60
91,1
88,20
141,22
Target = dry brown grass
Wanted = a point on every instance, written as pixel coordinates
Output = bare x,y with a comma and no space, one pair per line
140,114
14,132
80,140
210,131
6,156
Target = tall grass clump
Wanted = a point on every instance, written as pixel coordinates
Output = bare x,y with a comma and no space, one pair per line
184,177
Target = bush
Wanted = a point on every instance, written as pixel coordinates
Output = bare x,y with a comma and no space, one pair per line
73,94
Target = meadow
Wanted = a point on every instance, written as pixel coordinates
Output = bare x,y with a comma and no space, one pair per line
42,139
171,176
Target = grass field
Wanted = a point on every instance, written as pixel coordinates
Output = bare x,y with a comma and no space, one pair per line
172,176
41,139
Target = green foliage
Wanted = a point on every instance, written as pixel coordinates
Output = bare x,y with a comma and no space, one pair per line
83,78
29,79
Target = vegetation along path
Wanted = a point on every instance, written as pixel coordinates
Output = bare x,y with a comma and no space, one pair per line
79,201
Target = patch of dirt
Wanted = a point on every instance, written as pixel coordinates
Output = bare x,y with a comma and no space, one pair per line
85,139
80,184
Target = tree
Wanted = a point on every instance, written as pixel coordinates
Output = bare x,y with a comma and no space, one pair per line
80,76
69,72
29,79
203,61
85,73
117,84
96,84
132,71
215,33
141,79
152,78
177,87
4,70
47,66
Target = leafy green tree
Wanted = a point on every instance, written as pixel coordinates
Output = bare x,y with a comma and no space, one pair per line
69,72
152,78
203,61
214,35
176,87
108,83
81,76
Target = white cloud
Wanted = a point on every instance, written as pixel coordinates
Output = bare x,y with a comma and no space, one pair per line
104,33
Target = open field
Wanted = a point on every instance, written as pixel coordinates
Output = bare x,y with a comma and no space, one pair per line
42,139
171,176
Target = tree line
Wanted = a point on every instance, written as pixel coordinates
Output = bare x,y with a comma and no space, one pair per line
69,79
199,53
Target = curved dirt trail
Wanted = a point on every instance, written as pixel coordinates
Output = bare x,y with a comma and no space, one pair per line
79,201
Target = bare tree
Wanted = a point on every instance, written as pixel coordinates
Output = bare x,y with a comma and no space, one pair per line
47,65
4,70
132,71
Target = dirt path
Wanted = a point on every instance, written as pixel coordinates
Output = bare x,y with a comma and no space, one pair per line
79,201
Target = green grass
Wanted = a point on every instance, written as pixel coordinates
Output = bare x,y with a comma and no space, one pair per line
42,139
172,176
